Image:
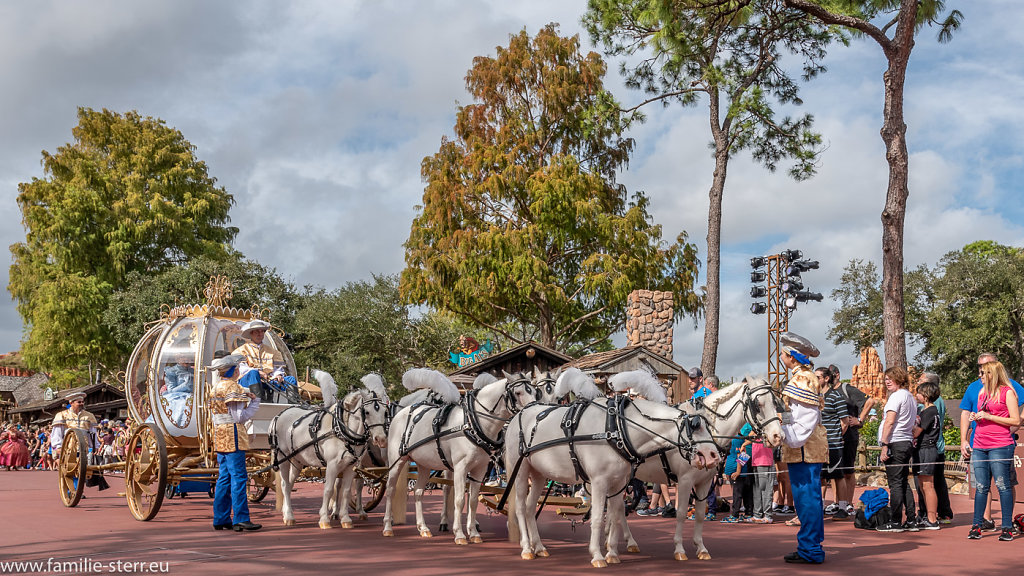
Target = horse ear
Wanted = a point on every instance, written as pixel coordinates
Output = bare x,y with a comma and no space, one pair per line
507,375
536,372
557,373
352,400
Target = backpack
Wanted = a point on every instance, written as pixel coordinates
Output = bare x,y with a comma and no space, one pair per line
880,518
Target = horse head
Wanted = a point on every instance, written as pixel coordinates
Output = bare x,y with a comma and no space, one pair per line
545,385
696,439
761,408
519,391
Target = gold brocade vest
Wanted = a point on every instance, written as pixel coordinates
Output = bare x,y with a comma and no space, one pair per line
84,420
224,430
804,387
260,357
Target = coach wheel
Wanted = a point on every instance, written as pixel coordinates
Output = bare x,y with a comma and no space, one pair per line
146,475
73,466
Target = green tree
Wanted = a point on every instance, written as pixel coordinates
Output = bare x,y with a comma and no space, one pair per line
366,327
523,223
902,19
979,307
730,53
858,318
252,285
127,195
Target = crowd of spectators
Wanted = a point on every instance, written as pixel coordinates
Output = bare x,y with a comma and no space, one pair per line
28,447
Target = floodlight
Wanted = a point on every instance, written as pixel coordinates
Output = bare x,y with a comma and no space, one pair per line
757,277
758,308
758,292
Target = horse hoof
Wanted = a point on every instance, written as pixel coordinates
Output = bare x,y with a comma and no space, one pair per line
389,533
613,560
325,525
704,556
461,542
476,540
527,555
681,556
364,516
598,563
346,525
289,522
633,549
425,533
543,554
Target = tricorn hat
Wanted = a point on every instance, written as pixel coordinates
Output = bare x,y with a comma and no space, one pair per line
798,347
252,325
226,362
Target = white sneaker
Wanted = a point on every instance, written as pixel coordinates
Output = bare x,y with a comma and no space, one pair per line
831,509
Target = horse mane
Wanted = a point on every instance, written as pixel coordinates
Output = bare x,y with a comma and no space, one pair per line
328,387
575,381
715,400
484,379
375,384
417,378
642,382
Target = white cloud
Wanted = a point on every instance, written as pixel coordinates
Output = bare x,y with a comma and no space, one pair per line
316,116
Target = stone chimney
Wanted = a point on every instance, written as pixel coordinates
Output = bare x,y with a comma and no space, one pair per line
649,321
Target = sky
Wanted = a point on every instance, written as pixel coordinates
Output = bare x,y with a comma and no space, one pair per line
316,116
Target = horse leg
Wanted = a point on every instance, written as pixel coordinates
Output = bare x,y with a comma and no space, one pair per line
330,489
357,496
343,494
389,494
615,518
698,516
537,486
631,546
523,514
598,512
472,526
459,483
422,475
446,510
286,493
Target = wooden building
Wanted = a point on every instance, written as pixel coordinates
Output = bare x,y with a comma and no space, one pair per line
105,401
601,365
522,358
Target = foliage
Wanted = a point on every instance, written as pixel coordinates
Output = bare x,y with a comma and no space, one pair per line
366,327
858,318
979,293
127,195
724,50
252,285
523,225
731,53
971,302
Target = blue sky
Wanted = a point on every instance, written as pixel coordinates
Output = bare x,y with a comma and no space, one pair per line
316,115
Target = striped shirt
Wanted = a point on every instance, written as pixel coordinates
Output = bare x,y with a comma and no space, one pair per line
832,415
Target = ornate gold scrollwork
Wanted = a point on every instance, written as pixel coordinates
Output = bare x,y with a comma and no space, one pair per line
218,291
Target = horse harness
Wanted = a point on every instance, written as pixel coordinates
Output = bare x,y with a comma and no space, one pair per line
471,426
353,441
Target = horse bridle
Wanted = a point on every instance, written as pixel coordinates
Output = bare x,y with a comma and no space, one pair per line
751,408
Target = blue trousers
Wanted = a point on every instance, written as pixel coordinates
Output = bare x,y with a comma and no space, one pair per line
230,493
806,482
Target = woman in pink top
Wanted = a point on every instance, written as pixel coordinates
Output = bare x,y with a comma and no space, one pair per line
762,461
993,446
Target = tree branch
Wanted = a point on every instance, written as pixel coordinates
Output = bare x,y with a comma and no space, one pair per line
827,17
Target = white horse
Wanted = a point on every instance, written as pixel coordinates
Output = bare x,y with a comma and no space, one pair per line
460,436
600,443
727,410
333,437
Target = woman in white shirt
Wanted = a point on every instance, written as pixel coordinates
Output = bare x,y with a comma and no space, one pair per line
896,437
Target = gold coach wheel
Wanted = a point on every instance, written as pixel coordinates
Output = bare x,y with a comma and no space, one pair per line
72,466
259,482
146,475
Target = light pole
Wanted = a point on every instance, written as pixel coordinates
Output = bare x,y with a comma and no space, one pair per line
778,277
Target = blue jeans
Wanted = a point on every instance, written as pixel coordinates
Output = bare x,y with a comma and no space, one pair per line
986,465
230,493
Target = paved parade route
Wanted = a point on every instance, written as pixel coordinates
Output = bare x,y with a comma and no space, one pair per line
101,535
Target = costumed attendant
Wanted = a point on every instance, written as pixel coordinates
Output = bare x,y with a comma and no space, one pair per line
805,448
262,367
77,417
14,454
231,406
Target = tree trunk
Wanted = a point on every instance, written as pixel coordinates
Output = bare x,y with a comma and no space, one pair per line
894,134
713,292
